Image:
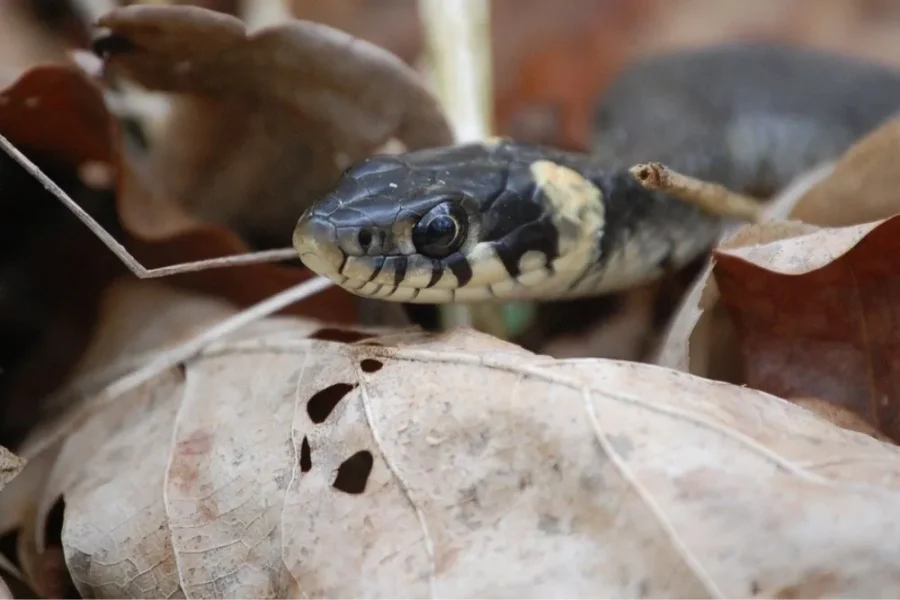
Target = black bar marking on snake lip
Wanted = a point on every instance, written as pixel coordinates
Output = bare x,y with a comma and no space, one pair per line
437,271
460,266
400,271
376,290
509,258
344,258
359,287
379,264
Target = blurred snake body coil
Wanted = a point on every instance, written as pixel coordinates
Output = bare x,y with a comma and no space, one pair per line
510,220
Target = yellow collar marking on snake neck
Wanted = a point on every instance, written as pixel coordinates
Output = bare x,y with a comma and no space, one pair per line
579,215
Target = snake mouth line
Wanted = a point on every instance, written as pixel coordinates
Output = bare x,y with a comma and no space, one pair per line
368,288
414,295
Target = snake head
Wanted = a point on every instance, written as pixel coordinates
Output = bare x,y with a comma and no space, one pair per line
457,224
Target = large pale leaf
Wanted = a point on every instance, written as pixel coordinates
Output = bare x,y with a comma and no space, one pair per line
282,463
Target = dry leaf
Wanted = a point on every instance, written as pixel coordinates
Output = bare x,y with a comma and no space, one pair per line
863,186
10,465
23,42
840,416
858,188
266,121
54,269
139,320
699,339
48,99
813,316
278,462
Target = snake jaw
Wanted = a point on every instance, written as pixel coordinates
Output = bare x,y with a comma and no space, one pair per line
315,241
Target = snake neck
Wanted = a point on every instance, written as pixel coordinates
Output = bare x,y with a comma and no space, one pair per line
629,235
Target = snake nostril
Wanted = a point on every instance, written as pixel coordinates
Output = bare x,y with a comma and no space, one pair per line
364,237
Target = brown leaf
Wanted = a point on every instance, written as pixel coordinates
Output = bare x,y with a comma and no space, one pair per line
400,460
139,320
840,416
229,476
700,338
268,120
10,466
863,186
54,270
858,188
813,316
49,99
23,41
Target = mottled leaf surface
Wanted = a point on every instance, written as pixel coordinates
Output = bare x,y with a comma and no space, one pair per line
296,460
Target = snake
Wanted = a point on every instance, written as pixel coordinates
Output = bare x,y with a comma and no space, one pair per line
502,219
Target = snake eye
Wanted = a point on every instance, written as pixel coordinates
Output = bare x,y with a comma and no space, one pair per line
441,231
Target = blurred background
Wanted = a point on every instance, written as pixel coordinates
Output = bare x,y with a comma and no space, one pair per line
550,58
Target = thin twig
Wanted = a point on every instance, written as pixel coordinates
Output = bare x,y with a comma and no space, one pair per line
119,250
166,359
169,358
709,196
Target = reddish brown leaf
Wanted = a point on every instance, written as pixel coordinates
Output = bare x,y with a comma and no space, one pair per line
54,109
816,316
58,112
862,187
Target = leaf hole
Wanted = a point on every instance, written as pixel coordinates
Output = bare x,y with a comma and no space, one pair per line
333,334
305,456
353,474
370,365
323,402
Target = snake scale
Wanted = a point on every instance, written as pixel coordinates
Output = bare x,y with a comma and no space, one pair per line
511,220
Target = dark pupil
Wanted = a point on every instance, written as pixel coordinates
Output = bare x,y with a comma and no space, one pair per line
440,232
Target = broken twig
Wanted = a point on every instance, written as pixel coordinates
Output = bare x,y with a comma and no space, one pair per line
139,270
711,197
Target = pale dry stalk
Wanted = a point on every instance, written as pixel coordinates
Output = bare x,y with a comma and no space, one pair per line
709,196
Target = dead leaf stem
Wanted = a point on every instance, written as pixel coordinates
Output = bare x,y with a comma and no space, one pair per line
709,196
119,250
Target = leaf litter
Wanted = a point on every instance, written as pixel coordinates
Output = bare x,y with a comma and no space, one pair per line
802,308
394,451
275,462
